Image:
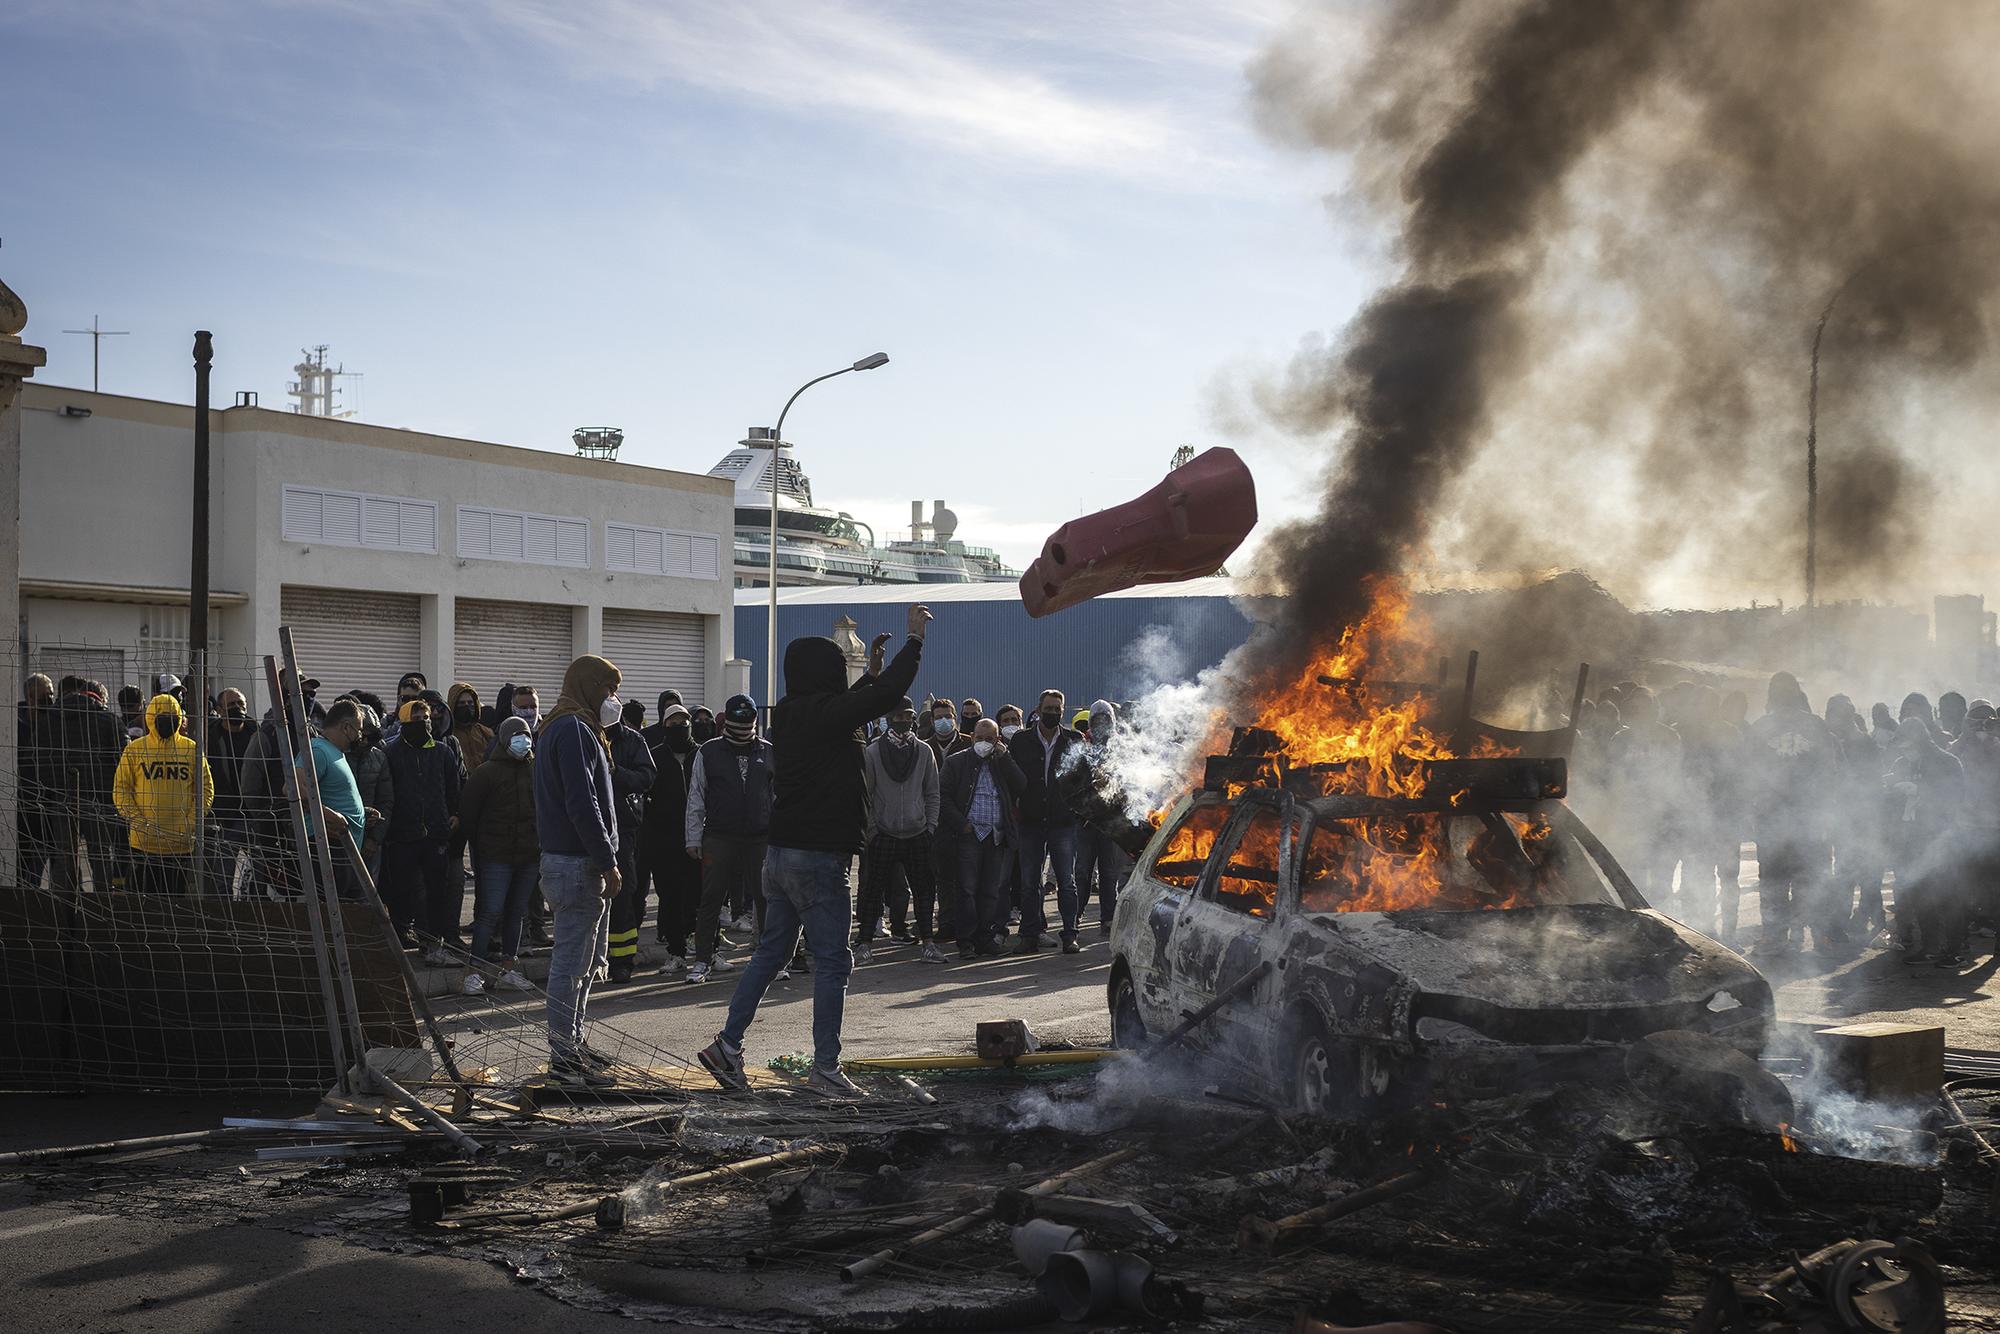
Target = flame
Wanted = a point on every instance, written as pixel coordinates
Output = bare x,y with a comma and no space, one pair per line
1374,742
1380,741
1785,1137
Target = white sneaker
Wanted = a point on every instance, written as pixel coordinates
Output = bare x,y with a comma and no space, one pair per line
436,957
832,1083
782,975
674,966
743,923
697,973
721,966
474,985
512,980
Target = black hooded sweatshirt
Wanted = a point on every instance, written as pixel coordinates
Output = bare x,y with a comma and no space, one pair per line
820,797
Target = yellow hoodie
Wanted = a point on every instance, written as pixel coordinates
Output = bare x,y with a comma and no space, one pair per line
154,789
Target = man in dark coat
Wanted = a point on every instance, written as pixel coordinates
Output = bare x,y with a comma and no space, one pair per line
976,797
79,763
1048,820
1793,763
727,826
422,882
663,859
819,819
632,777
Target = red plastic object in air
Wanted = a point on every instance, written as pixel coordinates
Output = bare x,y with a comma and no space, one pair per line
1183,528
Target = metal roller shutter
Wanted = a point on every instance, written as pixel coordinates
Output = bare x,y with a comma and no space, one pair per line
527,643
353,640
655,651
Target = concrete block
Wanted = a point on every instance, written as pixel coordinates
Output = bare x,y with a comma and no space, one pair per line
1002,1040
1887,1062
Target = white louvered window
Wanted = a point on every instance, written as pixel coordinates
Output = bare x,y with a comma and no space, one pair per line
535,539
632,549
353,519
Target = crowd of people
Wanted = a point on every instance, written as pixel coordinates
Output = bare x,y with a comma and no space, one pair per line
1830,806
575,822
964,824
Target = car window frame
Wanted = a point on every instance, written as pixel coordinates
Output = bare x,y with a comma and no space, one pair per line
1564,820
1168,829
1247,809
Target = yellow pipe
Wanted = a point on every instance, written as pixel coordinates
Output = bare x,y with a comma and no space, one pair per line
1081,1056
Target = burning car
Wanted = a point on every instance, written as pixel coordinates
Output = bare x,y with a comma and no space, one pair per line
1457,931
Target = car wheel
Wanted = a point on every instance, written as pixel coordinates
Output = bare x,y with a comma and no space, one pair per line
1128,1030
1329,1078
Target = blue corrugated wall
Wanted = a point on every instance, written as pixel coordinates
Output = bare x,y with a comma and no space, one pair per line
1113,648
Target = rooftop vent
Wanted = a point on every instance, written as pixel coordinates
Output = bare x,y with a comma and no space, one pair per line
597,442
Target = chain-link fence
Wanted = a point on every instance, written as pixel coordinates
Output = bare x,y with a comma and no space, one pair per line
202,917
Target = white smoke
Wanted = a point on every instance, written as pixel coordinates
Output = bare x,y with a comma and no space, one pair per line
1160,740
1150,661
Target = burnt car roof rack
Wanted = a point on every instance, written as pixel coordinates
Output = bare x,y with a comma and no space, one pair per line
1445,782
1538,770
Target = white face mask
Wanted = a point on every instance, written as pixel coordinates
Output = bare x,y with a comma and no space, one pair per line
529,716
518,746
982,748
610,711
1009,730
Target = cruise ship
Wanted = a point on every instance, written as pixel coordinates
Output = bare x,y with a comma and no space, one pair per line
823,546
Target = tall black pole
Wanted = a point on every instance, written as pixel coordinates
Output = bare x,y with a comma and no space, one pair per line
197,693
204,354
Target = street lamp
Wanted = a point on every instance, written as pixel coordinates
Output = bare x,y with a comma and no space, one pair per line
867,363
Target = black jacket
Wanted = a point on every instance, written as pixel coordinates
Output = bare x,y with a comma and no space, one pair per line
226,754
427,781
79,751
632,777
497,813
961,775
1049,800
820,801
666,804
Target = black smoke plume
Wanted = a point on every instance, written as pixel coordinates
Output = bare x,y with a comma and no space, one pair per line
1616,222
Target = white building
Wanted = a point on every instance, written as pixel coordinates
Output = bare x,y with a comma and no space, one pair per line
385,550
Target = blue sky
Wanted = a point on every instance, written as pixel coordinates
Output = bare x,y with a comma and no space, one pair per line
522,216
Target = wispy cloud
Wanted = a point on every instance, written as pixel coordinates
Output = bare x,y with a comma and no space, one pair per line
865,66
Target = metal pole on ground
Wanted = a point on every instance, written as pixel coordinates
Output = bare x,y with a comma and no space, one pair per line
306,773
417,998
342,1079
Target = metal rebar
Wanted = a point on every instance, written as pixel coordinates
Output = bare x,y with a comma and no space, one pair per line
869,1264
411,982
28,1157
1208,1011
431,1115
343,1078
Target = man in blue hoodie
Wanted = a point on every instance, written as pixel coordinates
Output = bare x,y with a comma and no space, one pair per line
576,821
819,819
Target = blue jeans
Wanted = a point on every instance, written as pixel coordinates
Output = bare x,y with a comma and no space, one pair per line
500,895
580,916
802,891
1058,844
1100,861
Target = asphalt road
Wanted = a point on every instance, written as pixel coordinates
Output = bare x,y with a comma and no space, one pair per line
82,1273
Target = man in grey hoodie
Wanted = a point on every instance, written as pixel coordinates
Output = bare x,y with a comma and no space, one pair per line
901,774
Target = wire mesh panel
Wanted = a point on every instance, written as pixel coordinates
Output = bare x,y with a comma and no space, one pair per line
160,930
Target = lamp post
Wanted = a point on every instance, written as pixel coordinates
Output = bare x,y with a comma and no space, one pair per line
867,363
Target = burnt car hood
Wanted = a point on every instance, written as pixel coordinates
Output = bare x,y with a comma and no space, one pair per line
1556,958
